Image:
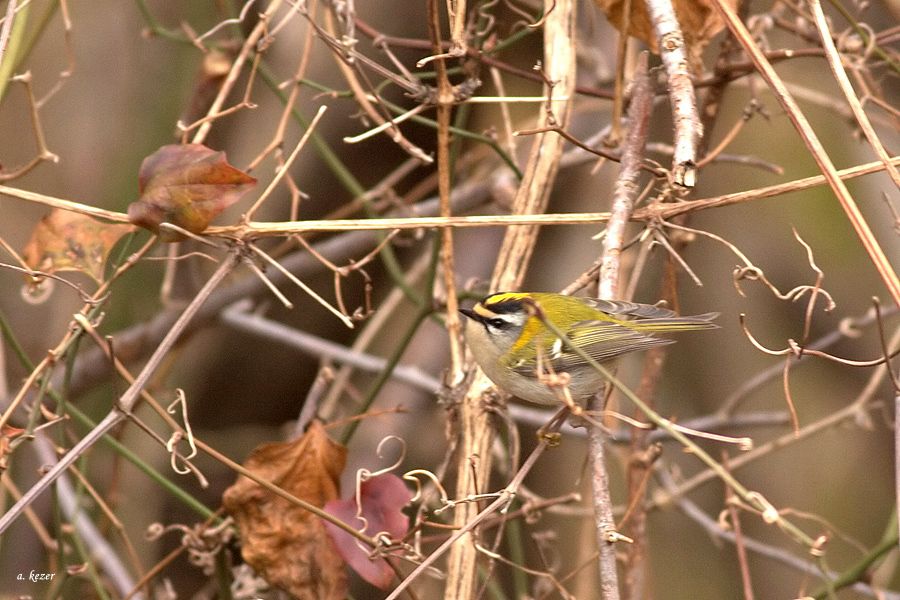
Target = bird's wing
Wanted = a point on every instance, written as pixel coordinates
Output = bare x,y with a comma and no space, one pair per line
601,340
630,309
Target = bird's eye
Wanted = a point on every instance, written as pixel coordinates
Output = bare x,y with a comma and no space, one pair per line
497,323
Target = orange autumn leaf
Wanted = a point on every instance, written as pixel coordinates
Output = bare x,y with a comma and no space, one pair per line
699,21
284,543
68,241
186,185
7,434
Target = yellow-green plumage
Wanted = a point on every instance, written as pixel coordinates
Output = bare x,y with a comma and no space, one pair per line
509,341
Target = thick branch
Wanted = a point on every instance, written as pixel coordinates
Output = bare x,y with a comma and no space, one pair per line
685,117
476,431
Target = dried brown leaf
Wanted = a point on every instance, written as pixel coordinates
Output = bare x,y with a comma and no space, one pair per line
284,543
699,21
69,241
187,185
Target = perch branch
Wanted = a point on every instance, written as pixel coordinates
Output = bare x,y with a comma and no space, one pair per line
626,188
474,415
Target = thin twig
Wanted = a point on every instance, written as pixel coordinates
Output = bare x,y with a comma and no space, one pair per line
851,411
897,456
444,101
237,66
283,169
102,551
734,515
503,499
238,317
215,454
777,554
626,186
668,210
43,152
348,60
139,340
661,211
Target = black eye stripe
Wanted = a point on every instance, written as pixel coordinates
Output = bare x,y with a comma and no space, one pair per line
497,323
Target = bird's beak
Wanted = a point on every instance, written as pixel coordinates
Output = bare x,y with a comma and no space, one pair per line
471,314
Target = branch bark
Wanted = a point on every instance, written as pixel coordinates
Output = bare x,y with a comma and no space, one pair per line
685,117
476,432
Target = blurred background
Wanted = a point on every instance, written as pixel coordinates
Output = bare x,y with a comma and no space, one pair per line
112,87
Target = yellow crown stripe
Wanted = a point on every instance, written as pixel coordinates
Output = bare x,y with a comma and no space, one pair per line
507,296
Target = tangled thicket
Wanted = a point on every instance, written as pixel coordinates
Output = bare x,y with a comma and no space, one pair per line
382,172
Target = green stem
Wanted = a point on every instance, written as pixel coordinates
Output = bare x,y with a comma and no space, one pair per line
156,28
385,375
86,559
13,53
463,133
515,543
349,182
223,575
167,484
40,25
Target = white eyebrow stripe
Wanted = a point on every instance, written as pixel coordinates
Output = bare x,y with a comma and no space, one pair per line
516,319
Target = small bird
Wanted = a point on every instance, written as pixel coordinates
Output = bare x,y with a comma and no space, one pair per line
512,345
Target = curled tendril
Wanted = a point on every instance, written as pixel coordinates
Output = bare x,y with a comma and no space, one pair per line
181,464
201,542
798,350
484,15
363,475
411,477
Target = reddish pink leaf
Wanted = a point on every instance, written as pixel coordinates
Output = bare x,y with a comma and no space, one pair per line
382,499
187,185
